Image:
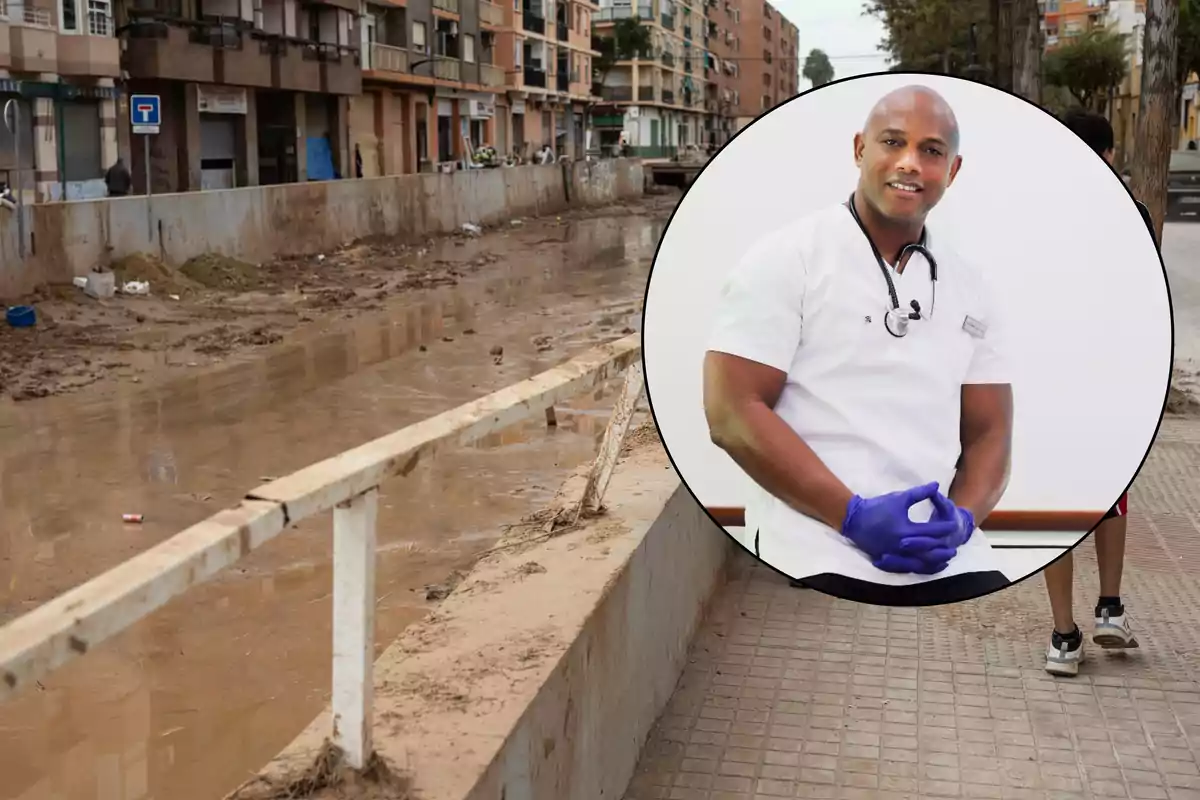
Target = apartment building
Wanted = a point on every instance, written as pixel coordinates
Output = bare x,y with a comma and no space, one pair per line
770,72
59,62
704,77
430,81
252,91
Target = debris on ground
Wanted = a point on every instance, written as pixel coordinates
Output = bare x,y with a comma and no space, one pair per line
330,778
215,306
1181,399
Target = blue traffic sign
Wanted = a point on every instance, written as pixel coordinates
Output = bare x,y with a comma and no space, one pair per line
145,112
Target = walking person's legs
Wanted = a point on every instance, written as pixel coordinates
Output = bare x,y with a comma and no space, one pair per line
1066,642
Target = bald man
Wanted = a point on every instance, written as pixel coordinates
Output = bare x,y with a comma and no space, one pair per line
873,413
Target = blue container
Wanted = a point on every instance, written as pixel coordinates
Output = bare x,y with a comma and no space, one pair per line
22,316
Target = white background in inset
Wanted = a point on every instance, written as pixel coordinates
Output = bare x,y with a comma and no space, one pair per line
1033,206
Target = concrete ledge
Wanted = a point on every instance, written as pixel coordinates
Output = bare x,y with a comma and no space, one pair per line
540,677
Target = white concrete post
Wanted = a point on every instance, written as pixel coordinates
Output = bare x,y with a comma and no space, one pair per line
354,625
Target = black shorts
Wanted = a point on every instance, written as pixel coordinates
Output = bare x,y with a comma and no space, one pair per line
952,589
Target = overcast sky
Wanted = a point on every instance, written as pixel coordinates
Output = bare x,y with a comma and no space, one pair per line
840,28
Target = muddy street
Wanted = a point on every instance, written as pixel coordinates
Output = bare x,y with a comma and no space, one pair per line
191,701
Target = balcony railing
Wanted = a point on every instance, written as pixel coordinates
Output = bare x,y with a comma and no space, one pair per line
646,94
447,68
491,75
387,58
36,18
562,31
617,94
609,14
668,21
562,81
535,77
667,58
668,96
687,65
533,22
490,14
687,31
451,6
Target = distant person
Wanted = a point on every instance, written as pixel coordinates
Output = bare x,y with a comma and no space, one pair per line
358,168
545,155
1112,629
118,179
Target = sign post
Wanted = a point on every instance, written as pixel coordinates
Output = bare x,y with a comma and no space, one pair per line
12,121
145,117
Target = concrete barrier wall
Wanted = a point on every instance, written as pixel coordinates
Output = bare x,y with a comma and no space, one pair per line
558,656
256,224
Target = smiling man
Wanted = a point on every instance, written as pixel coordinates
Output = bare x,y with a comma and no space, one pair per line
865,390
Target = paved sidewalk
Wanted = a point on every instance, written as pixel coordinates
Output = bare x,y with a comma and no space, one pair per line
792,694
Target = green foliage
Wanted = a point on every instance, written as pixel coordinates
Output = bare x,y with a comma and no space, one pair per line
1089,66
817,68
1189,38
934,35
628,39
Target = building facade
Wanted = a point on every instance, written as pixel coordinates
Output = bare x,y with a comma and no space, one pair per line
703,77
59,67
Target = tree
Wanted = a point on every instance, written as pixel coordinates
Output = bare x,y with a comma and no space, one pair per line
1089,67
1026,48
933,35
1157,108
817,68
1189,39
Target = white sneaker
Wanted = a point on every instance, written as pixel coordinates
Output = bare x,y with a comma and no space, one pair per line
1113,632
1064,661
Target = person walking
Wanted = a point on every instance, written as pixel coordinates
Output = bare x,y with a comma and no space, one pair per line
1111,627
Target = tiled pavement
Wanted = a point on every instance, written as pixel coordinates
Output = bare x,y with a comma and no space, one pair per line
792,694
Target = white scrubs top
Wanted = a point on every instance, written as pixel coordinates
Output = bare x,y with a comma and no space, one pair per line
881,412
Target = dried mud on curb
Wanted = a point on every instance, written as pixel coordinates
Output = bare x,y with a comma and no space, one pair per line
215,307
328,778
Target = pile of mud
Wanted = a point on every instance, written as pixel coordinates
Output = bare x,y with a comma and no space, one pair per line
216,271
163,279
329,778
1181,399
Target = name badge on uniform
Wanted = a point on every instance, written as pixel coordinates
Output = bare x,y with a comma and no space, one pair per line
974,327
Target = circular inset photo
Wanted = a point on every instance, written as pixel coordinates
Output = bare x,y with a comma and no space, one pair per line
908,338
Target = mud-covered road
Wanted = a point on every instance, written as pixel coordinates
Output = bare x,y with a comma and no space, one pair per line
192,402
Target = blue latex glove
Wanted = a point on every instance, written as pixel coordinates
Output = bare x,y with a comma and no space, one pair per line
928,555
879,525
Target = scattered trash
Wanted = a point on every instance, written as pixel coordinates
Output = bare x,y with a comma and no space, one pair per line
320,258
173,296
101,285
471,228
21,316
80,281
497,350
136,287
135,519
516,223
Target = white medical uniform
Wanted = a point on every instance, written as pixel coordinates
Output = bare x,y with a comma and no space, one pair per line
881,412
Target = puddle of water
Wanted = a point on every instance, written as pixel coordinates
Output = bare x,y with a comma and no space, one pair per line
188,703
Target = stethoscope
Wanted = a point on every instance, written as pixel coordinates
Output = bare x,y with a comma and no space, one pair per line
896,320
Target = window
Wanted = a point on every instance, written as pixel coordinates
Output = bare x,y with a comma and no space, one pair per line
69,14
469,48
518,51
418,37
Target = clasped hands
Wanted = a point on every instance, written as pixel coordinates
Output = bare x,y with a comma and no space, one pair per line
881,528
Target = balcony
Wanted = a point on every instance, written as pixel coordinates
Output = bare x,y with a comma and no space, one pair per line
562,31
33,41
687,32
95,52
386,58
237,58
616,94
668,21
490,14
667,58
668,96
646,94
687,65
165,50
562,81
644,11
534,22
341,72
295,64
535,77
447,68
449,6
491,75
